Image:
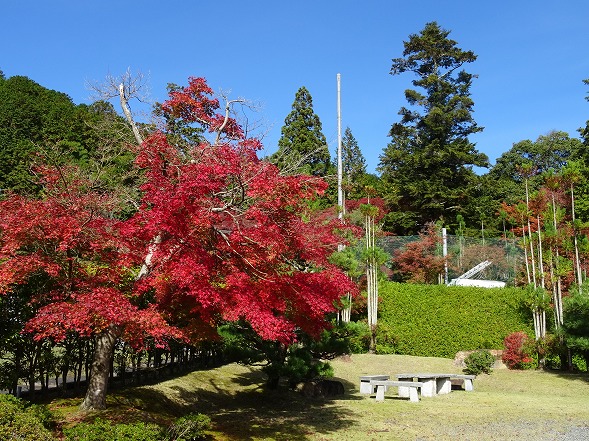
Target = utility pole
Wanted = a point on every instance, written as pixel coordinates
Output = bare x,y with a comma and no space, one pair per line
340,193
345,314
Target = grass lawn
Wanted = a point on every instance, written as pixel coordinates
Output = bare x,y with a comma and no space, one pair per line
506,405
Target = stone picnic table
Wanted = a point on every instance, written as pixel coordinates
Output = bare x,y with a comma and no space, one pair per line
431,384
435,383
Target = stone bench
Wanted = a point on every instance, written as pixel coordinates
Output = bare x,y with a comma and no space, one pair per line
407,389
365,387
465,380
437,384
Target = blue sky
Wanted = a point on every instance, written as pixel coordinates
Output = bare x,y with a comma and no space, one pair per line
532,57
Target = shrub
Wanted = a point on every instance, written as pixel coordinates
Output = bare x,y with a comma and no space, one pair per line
102,430
189,428
517,353
359,337
440,320
18,421
478,362
298,362
386,340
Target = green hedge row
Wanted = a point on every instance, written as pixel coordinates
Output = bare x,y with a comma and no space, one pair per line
439,320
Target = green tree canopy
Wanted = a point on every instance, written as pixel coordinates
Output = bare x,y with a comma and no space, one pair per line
353,166
550,152
37,122
30,116
42,126
302,147
429,159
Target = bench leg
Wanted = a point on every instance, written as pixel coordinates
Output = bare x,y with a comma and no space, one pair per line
366,388
380,393
443,386
468,384
413,396
405,391
429,387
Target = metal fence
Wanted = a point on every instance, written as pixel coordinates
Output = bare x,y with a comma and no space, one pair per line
463,253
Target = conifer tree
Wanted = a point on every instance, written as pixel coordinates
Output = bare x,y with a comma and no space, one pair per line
429,159
302,147
584,131
353,162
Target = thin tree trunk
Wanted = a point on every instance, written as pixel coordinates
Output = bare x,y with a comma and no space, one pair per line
577,259
98,382
530,235
526,254
371,288
558,292
540,258
128,115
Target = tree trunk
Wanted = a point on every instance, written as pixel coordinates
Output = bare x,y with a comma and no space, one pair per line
526,254
530,236
128,115
98,382
577,259
540,256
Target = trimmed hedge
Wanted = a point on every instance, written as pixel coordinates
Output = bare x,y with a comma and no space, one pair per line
440,320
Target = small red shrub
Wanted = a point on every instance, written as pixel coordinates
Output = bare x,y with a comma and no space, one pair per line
516,352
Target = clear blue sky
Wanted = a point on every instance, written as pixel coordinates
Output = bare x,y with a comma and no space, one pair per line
532,57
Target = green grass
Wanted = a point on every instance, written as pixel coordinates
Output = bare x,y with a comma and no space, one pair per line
505,405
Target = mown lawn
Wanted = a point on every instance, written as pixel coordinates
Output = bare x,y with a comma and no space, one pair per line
506,405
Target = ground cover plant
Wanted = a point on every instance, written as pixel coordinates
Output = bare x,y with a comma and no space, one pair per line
506,405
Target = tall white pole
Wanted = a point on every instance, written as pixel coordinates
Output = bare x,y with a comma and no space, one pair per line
345,313
340,193
445,254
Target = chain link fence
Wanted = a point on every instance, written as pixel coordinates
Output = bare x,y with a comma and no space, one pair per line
463,253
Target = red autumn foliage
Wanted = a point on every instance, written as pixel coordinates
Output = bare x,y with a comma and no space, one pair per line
220,235
230,239
235,239
516,350
67,239
195,104
418,262
352,205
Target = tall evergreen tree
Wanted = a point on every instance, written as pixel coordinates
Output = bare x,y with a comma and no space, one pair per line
429,159
353,162
584,131
302,147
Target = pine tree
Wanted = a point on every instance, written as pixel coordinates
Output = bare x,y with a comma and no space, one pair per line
584,131
429,159
353,162
302,148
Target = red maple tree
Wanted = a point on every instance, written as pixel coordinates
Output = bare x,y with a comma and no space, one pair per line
69,240
220,234
231,237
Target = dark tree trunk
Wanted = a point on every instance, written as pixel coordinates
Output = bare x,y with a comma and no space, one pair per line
98,382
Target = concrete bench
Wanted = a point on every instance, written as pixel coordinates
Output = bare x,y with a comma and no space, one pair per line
407,389
365,387
437,384
465,380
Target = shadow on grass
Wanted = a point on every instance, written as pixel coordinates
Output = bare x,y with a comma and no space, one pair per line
568,375
240,407
278,414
